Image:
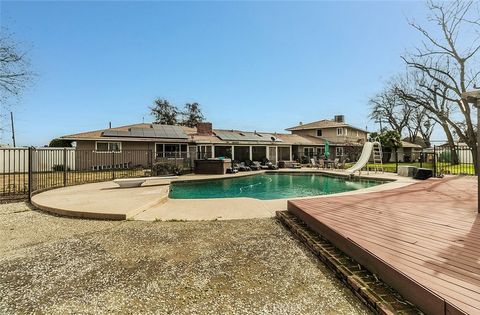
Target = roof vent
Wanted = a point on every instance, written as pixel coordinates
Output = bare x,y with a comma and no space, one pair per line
339,118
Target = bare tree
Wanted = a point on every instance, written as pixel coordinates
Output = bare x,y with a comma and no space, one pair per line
449,62
402,113
387,107
424,94
14,68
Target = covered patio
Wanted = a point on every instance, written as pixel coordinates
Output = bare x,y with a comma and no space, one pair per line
244,152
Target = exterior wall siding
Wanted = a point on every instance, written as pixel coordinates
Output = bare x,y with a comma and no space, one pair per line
330,134
133,154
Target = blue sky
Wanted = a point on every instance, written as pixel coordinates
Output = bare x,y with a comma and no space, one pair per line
251,65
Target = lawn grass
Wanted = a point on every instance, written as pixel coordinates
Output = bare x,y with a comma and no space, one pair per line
442,167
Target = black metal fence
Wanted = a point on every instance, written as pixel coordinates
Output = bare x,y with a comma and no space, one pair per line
442,159
25,171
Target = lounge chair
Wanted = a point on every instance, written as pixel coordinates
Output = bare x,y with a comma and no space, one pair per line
272,166
232,170
313,163
255,166
242,167
267,165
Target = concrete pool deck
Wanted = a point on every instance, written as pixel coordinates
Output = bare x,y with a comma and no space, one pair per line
150,202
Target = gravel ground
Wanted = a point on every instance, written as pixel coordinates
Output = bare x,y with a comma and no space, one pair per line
55,265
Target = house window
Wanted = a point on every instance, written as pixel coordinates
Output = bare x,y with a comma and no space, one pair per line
319,132
171,150
309,152
204,151
108,146
339,151
320,151
223,151
339,131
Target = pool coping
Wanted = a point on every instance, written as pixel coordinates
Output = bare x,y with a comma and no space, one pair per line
320,172
150,202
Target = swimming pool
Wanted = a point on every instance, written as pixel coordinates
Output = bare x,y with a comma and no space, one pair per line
268,186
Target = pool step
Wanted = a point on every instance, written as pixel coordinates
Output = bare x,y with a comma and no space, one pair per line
379,297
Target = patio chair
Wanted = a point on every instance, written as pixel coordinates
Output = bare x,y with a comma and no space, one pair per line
321,163
336,163
313,163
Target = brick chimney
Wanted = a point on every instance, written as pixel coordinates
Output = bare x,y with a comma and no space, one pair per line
339,118
204,128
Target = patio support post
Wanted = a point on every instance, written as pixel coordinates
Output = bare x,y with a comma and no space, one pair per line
250,153
276,154
478,153
474,98
291,158
233,154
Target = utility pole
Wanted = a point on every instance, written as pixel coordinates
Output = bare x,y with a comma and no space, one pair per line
13,129
380,122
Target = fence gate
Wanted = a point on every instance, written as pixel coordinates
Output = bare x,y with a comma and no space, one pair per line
454,160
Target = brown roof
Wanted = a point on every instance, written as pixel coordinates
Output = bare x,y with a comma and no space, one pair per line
97,134
472,96
407,144
325,123
286,139
300,140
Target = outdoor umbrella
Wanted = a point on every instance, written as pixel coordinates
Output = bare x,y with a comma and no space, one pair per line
327,149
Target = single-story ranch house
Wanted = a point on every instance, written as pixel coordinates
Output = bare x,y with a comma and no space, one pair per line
166,141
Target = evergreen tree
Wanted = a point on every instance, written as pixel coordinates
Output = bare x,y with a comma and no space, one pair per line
164,113
192,115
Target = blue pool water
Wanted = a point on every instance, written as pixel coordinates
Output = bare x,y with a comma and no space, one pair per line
267,186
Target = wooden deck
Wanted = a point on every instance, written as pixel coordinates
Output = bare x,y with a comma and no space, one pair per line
422,239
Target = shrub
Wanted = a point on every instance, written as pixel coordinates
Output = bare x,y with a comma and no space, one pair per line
59,168
165,168
445,157
60,143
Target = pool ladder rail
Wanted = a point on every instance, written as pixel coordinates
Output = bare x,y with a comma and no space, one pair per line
377,157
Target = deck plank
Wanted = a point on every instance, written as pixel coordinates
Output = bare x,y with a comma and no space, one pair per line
428,232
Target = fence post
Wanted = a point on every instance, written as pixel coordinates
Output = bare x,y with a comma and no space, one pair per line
65,165
113,165
30,173
421,158
396,160
434,161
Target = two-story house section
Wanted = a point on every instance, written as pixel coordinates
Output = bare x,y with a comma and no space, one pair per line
341,136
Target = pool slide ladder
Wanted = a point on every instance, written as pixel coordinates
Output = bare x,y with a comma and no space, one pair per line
369,149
